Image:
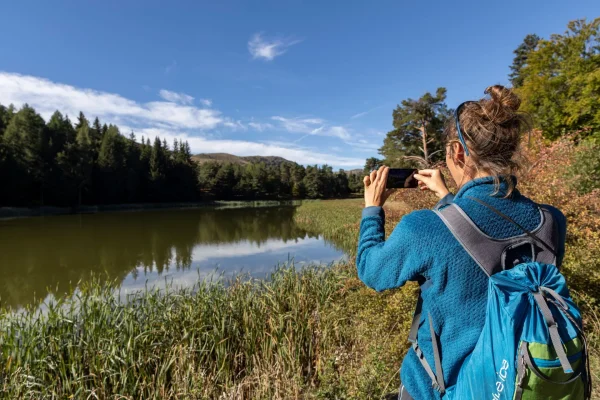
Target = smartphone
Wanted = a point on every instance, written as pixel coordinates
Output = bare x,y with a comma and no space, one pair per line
401,178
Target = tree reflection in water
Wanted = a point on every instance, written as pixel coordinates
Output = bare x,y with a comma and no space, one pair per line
50,254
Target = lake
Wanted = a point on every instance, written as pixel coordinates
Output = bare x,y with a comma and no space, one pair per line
47,256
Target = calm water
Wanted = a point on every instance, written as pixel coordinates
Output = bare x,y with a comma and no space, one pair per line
42,256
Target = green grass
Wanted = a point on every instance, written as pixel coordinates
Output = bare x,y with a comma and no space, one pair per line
316,333
255,339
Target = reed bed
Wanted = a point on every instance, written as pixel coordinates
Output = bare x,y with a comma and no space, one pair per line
247,339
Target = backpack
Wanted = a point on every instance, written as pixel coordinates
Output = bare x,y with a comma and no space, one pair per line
532,345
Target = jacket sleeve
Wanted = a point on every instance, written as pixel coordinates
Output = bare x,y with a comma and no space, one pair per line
386,264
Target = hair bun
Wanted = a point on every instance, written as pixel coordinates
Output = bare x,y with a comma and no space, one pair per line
504,97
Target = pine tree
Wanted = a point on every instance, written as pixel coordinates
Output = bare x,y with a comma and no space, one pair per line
371,164
112,161
76,161
417,135
312,183
27,138
342,188
96,134
3,119
520,61
158,169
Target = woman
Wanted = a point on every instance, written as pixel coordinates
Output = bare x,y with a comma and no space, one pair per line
482,143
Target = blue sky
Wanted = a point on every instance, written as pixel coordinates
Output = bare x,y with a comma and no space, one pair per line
312,81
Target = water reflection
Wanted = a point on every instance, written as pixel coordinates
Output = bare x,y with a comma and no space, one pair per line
41,255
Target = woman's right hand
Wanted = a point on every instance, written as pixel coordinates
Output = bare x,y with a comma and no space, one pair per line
432,179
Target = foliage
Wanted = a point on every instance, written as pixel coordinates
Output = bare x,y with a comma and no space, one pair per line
355,183
371,164
521,54
584,174
58,163
271,181
561,80
418,127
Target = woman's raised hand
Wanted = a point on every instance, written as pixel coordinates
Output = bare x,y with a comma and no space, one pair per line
432,179
375,190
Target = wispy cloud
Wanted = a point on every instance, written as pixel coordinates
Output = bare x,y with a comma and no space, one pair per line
171,67
268,49
299,125
166,119
258,126
175,97
235,125
206,102
312,126
365,145
362,114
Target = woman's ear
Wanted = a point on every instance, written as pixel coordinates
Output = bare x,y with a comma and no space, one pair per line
458,155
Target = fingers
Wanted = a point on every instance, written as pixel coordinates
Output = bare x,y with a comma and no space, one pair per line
367,180
383,175
373,176
427,172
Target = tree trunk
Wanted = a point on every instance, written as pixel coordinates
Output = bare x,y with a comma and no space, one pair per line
424,137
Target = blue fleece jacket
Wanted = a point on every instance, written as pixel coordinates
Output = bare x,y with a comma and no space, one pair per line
422,249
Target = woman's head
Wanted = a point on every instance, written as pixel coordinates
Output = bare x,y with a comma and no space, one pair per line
491,129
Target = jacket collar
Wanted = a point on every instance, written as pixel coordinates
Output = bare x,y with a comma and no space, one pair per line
484,186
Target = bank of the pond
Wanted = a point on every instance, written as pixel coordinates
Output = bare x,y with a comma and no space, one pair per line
21,212
310,333
316,333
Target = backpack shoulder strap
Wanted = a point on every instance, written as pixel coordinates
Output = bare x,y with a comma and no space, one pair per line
490,253
478,245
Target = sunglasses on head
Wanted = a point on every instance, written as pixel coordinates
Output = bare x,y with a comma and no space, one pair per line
461,137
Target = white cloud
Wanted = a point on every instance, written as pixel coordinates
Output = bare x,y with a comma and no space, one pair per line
299,125
361,114
338,131
258,126
268,49
235,125
206,102
312,126
175,97
166,119
47,96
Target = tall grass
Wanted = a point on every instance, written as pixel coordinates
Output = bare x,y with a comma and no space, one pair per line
251,339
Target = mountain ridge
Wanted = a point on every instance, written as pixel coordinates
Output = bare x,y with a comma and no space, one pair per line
202,158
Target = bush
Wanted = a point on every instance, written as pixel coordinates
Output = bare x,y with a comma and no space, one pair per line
584,174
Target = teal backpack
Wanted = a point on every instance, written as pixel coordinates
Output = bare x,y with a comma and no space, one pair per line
532,345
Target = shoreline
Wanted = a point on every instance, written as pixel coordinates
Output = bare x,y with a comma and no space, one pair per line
7,213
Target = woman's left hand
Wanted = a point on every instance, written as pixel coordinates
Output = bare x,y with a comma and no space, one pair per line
375,190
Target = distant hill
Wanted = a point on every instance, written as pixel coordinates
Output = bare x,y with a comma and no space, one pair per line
225,157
